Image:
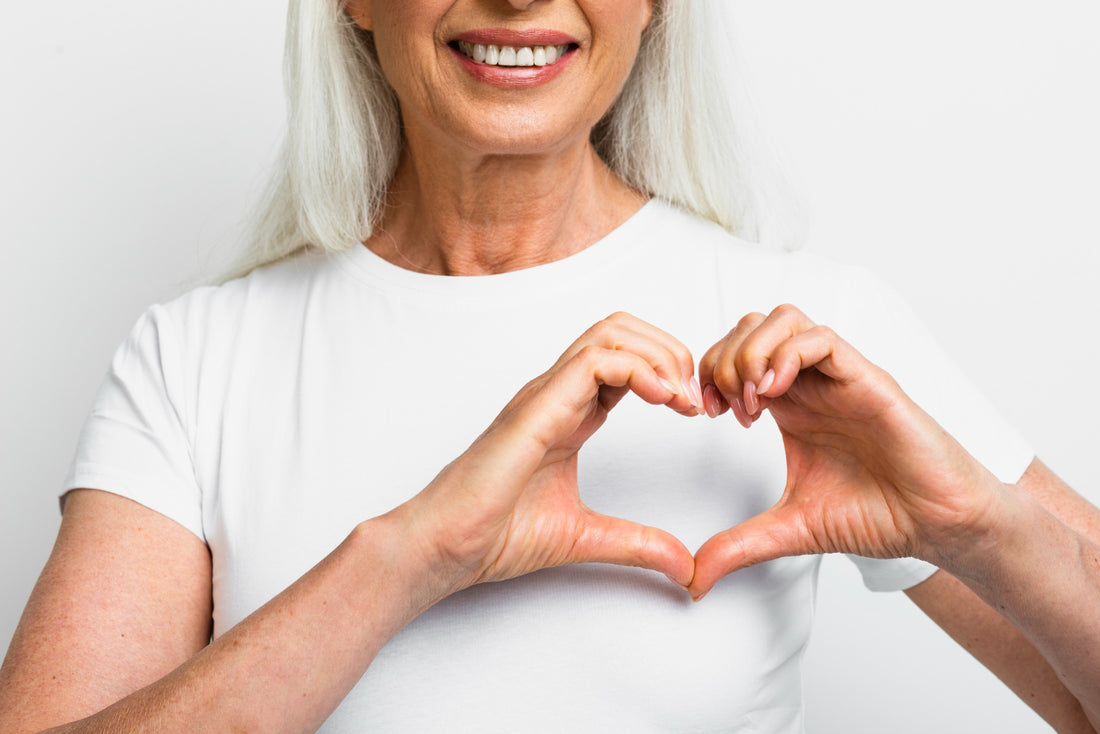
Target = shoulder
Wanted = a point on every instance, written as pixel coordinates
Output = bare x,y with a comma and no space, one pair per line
207,330
694,236
265,294
800,276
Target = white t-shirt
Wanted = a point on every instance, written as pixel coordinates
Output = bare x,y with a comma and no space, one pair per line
271,414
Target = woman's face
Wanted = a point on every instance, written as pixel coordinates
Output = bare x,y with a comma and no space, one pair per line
571,58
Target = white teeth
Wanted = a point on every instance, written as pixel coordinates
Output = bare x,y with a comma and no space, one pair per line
511,55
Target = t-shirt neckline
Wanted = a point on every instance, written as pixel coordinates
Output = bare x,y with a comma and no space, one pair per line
366,266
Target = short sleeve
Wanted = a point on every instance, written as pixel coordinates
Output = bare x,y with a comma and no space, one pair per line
887,332
878,322
135,442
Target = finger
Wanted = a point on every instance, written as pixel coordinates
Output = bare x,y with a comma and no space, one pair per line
712,359
772,534
713,402
606,539
562,402
717,367
753,355
617,368
818,347
672,360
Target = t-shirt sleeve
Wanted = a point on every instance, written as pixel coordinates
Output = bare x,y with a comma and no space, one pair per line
878,322
135,442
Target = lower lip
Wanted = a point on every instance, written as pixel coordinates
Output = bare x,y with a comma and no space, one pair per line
513,76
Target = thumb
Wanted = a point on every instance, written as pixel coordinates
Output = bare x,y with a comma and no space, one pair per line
775,533
606,539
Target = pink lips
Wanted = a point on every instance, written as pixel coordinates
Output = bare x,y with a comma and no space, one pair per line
514,76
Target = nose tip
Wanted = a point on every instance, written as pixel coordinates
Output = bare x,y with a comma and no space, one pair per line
522,4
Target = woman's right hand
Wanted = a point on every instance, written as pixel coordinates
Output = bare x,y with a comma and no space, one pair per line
509,505
505,507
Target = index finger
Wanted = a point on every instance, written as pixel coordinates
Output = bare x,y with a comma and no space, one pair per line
669,357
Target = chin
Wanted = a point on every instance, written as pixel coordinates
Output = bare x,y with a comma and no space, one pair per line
527,136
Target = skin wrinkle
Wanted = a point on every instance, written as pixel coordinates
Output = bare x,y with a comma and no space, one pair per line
462,211
278,648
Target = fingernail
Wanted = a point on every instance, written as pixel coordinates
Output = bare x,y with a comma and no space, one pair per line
765,382
676,581
669,386
751,404
696,393
692,391
710,400
700,597
739,411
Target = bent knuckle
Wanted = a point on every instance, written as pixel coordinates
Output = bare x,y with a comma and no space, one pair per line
725,377
589,354
825,333
601,329
748,356
749,321
605,334
619,317
787,310
682,354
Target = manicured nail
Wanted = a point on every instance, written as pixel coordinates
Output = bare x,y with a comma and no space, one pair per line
751,404
710,400
669,386
765,382
739,412
696,393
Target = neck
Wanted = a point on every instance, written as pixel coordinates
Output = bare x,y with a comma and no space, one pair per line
486,214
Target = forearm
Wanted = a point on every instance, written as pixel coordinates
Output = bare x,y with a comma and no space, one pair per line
289,664
1044,577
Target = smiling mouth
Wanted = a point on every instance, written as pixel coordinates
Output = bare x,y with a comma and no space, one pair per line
494,55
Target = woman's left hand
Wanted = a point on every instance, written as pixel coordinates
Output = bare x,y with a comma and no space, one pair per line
868,472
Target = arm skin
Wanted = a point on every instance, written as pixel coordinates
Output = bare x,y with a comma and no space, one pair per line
870,473
117,627
994,640
116,630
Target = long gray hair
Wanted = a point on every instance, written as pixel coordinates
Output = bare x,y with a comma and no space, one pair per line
680,131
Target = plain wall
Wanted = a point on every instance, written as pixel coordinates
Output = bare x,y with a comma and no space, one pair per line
951,146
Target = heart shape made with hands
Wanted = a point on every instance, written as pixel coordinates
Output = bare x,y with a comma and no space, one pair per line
867,470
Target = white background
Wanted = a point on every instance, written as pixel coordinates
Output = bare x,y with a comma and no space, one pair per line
951,146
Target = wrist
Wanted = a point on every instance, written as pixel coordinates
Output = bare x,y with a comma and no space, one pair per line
1013,536
392,546
416,540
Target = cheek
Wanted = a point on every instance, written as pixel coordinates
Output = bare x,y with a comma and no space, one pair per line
619,22
619,30
404,41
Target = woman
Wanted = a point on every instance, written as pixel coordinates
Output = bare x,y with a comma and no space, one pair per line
318,399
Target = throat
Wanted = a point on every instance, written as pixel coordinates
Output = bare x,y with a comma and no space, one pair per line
461,248
482,221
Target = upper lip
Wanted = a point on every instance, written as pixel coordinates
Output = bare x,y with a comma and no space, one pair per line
508,37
